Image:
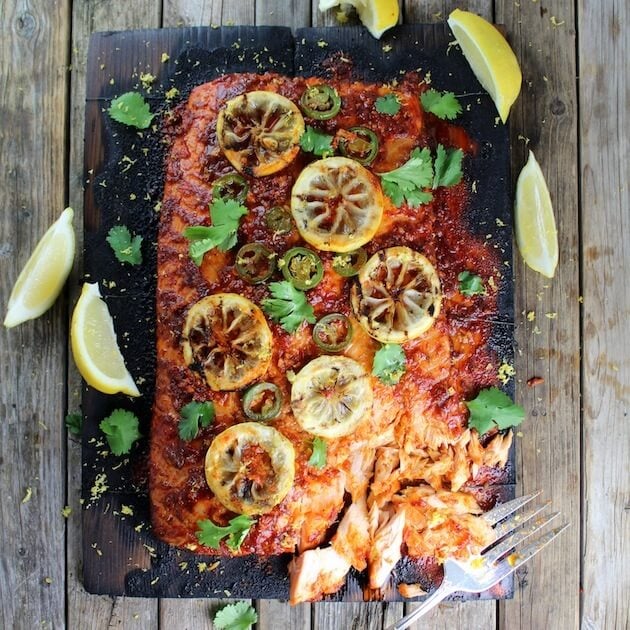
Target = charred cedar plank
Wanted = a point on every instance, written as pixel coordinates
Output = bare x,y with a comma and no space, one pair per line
230,49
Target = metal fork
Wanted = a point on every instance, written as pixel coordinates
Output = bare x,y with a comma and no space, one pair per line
496,562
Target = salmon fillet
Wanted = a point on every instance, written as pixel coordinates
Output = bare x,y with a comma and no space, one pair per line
415,443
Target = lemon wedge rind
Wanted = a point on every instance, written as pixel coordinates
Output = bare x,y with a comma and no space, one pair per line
95,347
490,57
376,15
43,276
534,221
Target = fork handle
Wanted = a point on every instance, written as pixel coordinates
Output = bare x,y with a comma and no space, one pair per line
443,591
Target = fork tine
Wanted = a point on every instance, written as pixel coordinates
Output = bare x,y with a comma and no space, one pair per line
505,509
507,566
518,519
521,534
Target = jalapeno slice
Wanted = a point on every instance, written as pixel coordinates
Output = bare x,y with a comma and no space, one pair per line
263,401
278,220
255,262
362,145
302,267
333,333
349,264
230,186
320,102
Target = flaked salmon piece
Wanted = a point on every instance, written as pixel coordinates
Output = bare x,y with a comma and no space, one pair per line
386,480
359,471
321,503
497,451
385,551
315,573
352,538
443,524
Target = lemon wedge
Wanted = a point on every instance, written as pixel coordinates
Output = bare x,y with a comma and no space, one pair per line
376,15
94,345
535,225
490,57
42,278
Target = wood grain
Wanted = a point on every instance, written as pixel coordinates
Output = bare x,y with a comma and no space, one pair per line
604,49
34,58
549,451
86,610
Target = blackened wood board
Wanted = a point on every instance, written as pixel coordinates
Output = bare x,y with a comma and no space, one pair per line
123,184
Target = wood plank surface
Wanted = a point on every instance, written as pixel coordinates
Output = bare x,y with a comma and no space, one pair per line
604,50
86,610
548,453
34,59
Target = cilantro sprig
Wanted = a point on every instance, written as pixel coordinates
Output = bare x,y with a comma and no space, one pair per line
316,142
388,104
447,168
236,531
319,453
225,215
470,284
409,182
192,416
288,306
444,105
406,183
74,423
131,109
389,363
127,248
121,430
493,408
236,616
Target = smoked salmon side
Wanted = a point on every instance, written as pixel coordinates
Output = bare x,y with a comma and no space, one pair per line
396,462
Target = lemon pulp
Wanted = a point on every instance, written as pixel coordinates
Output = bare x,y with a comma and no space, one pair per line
41,280
534,222
376,15
94,345
490,57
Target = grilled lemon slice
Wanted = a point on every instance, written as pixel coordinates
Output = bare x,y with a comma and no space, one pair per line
398,296
331,396
250,468
228,338
337,204
259,132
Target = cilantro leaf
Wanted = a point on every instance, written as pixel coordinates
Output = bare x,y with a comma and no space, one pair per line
470,284
406,182
121,430
316,142
388,104
131,109
236,616
447,167
74,423
225,215
211,535
389,363
318,456
443,105
126,248
288,306
192,415
492,407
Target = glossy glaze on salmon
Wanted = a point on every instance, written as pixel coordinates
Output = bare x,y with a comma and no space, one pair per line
397,485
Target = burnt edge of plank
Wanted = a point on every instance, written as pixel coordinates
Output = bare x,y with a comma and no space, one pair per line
141,565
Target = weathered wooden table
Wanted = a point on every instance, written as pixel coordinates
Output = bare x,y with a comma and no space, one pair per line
574,112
